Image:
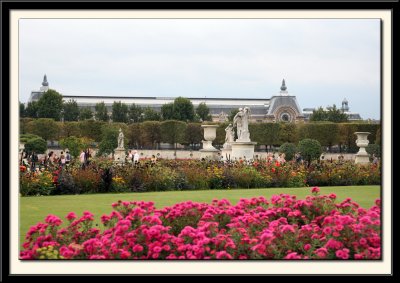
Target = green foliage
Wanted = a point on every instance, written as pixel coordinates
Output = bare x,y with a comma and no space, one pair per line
135,113
183,109
37,145
150,115
374,149
287,133
46,128
333,114
193,134
134,135
289,149
109,139
22,113
23,138
50,105
32,109
173,131
68,129
119,112
167,111
151,133
85,113
75,144
101,112
309,149
71,111
25,126
204,112
91,129
326,133
232,114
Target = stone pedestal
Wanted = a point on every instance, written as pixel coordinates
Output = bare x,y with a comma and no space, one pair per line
226,153
362,141
242,150
119,155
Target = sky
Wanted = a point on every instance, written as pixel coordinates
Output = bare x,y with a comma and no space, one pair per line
322,61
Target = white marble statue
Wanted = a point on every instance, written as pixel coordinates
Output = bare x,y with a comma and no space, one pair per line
120,139
229,136
241,120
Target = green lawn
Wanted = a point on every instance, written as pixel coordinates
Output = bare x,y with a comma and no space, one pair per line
35,209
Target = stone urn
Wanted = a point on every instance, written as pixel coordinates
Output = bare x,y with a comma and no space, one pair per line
210,133
362,142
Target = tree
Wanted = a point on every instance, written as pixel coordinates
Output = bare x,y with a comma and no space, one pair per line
85,113
309,149
109,141
173,132
193,134
204,112
71,110
289,149
332,115
24,138
167,111
151,133
119,112
25,125
101,112
336,115
38,145
22,110
232,114
32,109
151,115
50,105
135,113
75,144
374,149
45,128
68,129
287,133
319,115
134,135
91,129
183,109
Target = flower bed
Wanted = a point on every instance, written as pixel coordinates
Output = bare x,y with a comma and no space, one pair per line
101,176
280,228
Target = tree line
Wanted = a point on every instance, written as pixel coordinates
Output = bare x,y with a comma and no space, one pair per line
51,105
149,134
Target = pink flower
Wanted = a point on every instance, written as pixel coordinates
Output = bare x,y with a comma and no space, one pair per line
137,248
315,190
342,254
71,216
293,255
307,247
332,196
363,241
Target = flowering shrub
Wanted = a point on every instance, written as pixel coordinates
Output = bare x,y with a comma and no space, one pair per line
36,183
102,176
280,228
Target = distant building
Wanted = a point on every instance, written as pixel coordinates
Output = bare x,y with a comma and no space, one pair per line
352,116
36,94
279,108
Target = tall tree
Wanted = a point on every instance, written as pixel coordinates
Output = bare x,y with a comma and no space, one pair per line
151,133
232,114
32,109
319,115
150,115
22,113
183,109
167,111
119,112
101,112
336,115
173,132
50,105
193,134
135,113
204,112
71,110
85,113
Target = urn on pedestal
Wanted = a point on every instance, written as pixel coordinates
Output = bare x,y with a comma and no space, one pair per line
362,142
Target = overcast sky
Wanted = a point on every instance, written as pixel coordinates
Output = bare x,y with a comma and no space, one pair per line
322,61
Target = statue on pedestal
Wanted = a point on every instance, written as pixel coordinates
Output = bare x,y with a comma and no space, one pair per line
120,139
229,137
241,120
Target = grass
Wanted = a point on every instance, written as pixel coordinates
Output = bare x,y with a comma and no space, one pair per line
35,209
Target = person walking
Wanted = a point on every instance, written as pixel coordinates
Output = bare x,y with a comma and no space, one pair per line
135,157
82,159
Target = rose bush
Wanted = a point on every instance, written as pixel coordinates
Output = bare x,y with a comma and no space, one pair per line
280,228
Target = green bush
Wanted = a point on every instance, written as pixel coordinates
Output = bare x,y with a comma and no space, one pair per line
37,145
309,149
289,149
374,149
